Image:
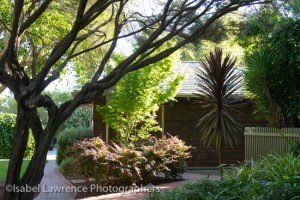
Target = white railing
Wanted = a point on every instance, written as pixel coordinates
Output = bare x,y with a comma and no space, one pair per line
263,140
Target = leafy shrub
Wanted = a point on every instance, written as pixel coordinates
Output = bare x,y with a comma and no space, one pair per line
167,156
128,161
93,159
120,164
190,191
67,167
81,117
67,137
295,148
30,146
7,131
273,177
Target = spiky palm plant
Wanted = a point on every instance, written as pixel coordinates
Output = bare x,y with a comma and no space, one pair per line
218,86
261,81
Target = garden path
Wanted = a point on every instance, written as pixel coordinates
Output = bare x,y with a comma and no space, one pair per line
53,179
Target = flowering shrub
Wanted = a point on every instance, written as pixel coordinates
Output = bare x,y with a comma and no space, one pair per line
120,164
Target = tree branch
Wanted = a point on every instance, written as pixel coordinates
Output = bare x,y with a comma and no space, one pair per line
34,16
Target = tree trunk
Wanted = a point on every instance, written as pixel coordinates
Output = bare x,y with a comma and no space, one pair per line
18,150
220,163
35,170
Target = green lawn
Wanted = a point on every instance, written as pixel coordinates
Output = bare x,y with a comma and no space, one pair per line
4,166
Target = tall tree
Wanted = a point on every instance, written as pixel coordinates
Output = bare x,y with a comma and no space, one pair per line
218,100
91,18
133,102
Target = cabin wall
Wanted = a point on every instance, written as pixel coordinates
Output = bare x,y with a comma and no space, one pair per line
180,119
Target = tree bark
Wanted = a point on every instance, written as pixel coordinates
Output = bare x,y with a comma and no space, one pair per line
220,163
2,88
19,147
35,170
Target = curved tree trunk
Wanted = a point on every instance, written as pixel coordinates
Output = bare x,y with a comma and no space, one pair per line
19,147
35,170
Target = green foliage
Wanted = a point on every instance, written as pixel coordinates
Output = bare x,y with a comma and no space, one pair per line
7,131
121,165
274,30
222,34
273,177
9,104
67,137
189,191
259,78
81,117
133,102
295,148
67,168
70,135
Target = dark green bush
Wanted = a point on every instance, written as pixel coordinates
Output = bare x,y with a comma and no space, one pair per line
295,148
120,164
67,137
203,189
67,168
7,131
273,177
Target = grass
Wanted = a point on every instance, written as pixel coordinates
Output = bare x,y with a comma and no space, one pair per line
4,166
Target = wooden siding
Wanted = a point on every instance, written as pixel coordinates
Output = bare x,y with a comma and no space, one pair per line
181,118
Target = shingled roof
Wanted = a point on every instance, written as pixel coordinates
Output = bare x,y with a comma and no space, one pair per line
189,86
189,83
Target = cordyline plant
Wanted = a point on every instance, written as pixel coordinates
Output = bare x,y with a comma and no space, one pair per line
218,85
41,39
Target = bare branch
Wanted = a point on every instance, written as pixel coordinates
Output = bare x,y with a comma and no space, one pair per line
107,56
13,43
82,20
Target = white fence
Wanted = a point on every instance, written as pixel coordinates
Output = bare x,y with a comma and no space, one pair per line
263,140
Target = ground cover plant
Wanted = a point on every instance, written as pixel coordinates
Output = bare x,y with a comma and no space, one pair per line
273,177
